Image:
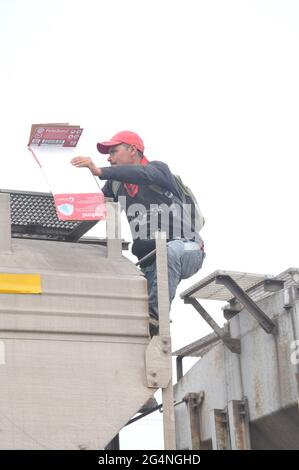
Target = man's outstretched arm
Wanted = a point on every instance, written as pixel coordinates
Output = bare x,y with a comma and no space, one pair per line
87,163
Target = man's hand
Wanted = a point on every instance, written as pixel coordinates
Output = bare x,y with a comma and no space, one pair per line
88,163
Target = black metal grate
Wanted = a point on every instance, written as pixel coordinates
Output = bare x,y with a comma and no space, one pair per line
33,215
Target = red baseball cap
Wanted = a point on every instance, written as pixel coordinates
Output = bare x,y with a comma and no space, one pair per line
123,137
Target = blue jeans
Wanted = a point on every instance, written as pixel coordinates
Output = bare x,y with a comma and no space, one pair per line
184,259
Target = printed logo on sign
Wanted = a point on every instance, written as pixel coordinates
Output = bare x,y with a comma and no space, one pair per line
66,209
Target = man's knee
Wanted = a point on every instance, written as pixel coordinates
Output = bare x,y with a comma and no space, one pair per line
175,251
192,263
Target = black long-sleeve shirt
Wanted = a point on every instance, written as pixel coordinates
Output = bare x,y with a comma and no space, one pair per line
146,209
154,172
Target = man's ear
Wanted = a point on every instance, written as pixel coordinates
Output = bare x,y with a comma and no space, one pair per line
134,151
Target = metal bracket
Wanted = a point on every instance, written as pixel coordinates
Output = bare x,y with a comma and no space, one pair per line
219,429
179,368
196,349
239,425
231,309
290,296
194,402
273,285
264,321
230,426
158,362
233,344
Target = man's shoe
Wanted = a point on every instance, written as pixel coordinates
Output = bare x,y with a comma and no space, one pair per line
150,405
153,327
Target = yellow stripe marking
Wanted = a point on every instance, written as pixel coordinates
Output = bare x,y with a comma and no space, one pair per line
20,283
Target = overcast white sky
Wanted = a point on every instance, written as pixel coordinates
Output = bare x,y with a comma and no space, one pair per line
212,88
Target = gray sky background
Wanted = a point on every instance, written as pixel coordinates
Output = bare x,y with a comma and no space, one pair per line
212,88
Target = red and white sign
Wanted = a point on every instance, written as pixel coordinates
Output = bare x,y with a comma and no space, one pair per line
80,206
65,136
76,192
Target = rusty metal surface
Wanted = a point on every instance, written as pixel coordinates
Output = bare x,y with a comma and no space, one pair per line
239,425
194,403
220,429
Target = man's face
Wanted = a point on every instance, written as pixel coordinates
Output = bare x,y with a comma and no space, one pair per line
120,155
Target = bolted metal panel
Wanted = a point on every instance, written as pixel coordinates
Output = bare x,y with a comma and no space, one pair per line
158,362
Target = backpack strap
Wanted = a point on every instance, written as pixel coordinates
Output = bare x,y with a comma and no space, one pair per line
115,187
154,187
